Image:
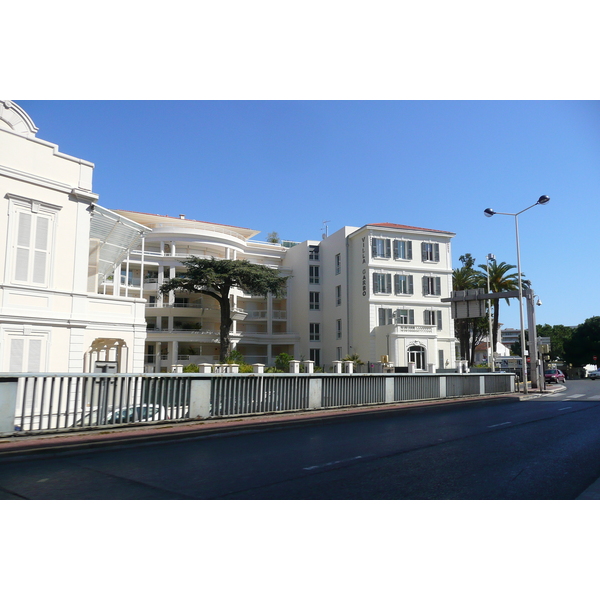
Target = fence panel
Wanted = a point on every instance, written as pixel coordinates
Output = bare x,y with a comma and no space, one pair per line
497,384
462,385
352,390
416,387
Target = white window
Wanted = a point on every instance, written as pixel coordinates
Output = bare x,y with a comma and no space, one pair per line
338,264
338,295
315,332
338,329
386,316
313,253
430,252
382,283
403,249
313,274
26,353
32,243
405,316
381,248
403,284
314,301
432,286
433,317
416,355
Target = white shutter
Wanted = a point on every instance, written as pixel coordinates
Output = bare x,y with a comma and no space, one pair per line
23,247
35,356
410,285
409,250
439,319
436,252
17,349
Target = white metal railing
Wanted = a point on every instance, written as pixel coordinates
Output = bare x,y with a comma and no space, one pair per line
45,402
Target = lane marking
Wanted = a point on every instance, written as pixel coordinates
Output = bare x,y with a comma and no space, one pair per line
565,408
577,396
499,424
559,394
334,462
594,398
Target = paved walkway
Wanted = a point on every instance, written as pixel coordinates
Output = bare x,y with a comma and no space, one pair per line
20,446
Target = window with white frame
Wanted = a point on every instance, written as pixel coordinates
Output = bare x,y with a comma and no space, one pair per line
403,249
405,316
313,274
432,286
430,252
381,248
26,353
382,283
386,316
314,301
338,295
338,329
403,284
32,226
338,264
313,253
433,317
315,332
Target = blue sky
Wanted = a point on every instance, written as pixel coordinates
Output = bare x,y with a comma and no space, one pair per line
288,166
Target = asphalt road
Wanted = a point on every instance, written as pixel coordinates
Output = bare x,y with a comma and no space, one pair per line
500,449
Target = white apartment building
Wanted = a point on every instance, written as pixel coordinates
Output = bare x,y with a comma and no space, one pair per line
375,291
184,328
56,243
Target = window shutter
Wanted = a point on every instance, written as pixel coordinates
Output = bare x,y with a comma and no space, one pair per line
374,247
439,320
409,250
425,286
17,349
426,317
388,248
375,283
411,317
23,246
438,286
396,249
424,251
436,251
35,355
410,285
396,284
388,283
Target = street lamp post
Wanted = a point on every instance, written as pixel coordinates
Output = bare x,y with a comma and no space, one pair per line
490,213
491,348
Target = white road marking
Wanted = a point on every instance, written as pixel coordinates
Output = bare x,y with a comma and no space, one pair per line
559,394
329,464
565,408
499,424
594,398
577,396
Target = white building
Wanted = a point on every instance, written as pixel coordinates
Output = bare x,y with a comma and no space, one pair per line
184,328
57,241
375,291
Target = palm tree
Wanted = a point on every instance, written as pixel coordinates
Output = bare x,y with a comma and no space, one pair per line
501,280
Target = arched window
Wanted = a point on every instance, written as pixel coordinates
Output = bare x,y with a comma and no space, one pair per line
416,354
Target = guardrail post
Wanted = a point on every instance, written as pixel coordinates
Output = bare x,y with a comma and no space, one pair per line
309,366
258,368
315,392
411,367
389,389
205,368
349,366
482,385
200,398
337,366
294,366
8,405
443,387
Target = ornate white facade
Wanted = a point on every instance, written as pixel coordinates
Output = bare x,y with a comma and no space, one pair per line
53,233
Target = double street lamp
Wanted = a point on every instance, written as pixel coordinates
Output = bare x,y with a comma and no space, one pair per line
490,213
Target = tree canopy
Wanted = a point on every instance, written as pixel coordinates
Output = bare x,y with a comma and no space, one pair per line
216,278
584,344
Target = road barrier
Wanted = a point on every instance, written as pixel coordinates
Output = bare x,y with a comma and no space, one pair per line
57,401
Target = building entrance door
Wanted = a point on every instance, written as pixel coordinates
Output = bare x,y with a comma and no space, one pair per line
416,354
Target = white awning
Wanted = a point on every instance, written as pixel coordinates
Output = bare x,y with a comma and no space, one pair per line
116,235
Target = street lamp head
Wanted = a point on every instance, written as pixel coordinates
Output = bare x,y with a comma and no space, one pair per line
488,212
539,302
491,257
544,200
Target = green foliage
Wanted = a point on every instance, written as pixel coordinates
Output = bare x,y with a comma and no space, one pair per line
191,368
235,357
355,358
584,343
559,335
282,362
273,237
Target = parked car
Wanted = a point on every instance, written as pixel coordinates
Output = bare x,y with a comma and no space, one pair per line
554,376
133,414
594,375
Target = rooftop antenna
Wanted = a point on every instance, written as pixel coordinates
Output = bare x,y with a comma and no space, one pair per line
326,228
